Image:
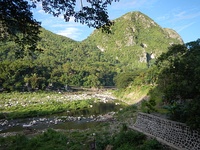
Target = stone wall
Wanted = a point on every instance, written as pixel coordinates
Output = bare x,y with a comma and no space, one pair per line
175,134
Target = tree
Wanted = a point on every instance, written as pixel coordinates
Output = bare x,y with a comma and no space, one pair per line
179,81
17,23
123,80
94,13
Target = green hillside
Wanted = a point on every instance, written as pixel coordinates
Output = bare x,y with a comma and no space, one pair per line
135,42
54,42
133,37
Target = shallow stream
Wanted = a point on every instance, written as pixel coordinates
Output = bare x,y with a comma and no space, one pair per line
79,119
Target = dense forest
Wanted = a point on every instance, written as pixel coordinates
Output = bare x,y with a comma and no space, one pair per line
60,62
98,61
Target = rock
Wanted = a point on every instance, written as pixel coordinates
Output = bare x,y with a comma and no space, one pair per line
79,118
33,122
5,122
109,147
26,125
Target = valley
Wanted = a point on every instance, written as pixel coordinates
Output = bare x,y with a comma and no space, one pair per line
55,95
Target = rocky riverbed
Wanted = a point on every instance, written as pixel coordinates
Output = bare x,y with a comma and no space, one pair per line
42,123
62,97
104,108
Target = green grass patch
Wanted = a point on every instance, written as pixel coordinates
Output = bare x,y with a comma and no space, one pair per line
156,95
21,105
75,140
133,94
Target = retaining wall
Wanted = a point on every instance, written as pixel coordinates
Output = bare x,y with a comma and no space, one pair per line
175,134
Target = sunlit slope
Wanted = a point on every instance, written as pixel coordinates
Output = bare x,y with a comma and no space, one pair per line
134,35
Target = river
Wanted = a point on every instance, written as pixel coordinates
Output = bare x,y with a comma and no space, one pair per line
101,111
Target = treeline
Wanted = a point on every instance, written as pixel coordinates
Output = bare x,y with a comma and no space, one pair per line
59,62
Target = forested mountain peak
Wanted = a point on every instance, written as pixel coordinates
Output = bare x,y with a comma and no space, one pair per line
133,37
138,17
50,35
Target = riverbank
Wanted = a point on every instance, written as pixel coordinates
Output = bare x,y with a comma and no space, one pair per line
39,111
23,105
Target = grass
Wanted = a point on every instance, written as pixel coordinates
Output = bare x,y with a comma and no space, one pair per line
128,115
21,105
133,94
124,139
156,95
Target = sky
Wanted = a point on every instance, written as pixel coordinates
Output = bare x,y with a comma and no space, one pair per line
183,16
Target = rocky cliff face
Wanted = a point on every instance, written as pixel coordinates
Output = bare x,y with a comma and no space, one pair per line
173,34
134,35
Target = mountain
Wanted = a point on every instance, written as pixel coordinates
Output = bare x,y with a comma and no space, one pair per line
134,43
135,39
51,41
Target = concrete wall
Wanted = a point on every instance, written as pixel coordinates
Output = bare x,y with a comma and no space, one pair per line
175,134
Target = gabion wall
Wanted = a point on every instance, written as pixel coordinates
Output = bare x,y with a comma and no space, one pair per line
175,133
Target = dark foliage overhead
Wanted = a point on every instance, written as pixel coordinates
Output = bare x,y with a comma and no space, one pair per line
94,13
17,23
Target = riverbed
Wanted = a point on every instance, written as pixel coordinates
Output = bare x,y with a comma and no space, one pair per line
99,111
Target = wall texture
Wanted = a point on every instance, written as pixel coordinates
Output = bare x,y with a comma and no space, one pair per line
175,134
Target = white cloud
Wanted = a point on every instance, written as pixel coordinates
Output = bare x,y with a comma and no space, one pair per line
70,32
183,15
134,4
48,22
163,18
39,8
57,25
180,14
177,15
180,28
41,11
65,24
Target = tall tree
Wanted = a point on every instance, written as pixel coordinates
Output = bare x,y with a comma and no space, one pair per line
17,23
180,82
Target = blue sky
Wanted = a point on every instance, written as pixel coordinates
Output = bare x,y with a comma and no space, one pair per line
181,15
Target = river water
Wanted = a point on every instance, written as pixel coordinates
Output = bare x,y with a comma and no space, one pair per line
80,119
